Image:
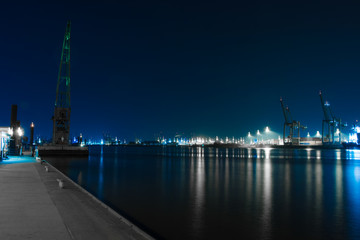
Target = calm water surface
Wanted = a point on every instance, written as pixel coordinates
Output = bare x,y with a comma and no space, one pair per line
210,193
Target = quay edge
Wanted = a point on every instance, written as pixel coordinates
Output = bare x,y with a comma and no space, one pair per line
55,150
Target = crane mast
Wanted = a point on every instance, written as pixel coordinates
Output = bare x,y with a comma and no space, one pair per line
329,123
61,118
293,126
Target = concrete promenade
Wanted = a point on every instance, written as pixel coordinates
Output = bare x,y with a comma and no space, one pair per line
32,206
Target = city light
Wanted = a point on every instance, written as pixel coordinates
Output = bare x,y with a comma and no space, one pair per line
353,137
20,132
260,138
357,129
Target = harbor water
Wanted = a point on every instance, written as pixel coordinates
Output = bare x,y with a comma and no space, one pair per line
226,193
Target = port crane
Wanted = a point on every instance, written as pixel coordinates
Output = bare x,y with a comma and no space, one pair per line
293,126
61,118
330,123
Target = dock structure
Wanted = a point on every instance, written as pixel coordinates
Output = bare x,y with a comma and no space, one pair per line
331,125
33,206
294,127
61,119
63,150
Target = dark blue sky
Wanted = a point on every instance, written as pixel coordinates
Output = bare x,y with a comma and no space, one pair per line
193,67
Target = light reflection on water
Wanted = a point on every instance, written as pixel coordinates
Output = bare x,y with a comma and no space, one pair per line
266,216
101,174
212,193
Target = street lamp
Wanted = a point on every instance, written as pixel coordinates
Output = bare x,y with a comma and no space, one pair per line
258,134
249,136
267,130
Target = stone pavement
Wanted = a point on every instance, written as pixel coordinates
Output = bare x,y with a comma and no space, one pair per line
32,206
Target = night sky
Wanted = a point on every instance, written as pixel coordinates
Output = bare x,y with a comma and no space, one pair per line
144,68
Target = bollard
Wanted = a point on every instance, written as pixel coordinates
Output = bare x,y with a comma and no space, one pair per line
61,183
47,168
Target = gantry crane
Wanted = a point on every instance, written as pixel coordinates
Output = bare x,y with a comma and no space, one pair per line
329,123
61,118
293,125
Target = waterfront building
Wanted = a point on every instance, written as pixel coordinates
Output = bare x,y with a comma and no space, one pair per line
4,141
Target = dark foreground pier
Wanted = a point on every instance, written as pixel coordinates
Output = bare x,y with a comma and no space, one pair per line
33,206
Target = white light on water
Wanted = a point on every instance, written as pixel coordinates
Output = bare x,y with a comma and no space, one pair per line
357,173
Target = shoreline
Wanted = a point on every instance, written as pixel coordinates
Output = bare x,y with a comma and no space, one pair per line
239,146
135,231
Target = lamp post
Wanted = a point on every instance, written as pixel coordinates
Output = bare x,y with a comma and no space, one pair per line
32,147
249,136
267,131
258,135
20,134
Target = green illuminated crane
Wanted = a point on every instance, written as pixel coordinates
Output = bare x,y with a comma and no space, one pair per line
61,118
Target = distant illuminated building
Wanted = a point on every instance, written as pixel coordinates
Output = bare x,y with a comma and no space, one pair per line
354,136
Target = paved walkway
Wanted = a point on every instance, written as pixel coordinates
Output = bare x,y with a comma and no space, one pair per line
32,206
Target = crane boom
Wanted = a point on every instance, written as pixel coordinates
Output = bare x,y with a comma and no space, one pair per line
329,124
61,118
286,112
328,115
292,126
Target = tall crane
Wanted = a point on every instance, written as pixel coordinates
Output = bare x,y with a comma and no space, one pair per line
330,123
293,126
61,118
